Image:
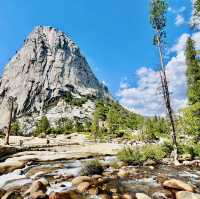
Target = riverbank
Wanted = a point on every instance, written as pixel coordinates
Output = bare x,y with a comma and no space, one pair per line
53,171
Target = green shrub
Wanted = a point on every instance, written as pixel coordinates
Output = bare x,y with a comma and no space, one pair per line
192,149
42,126
63,126
78,101
152,152
15,129
138,155
191,119
92,167
167,147
196,150
130,155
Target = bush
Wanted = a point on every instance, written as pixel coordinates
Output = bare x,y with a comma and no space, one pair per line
42,126
138,155
167,147
189,149
92,167
15,129
191,120
63,126
152,152
130,155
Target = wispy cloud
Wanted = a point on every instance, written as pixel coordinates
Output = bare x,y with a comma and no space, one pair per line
179,19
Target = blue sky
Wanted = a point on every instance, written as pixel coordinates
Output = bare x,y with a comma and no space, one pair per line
114,35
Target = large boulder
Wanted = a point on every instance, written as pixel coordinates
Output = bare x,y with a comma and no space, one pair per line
12,195
187,195
83,186
66,195
178,184
142,196
81,179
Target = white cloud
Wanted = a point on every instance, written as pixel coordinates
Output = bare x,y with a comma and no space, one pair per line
180,45
180,20
177,11
145,98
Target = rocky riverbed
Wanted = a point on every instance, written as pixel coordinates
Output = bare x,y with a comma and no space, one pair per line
54,173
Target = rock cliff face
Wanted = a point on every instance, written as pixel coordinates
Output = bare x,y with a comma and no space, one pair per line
46,76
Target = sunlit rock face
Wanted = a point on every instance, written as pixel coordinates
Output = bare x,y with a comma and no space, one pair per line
47,69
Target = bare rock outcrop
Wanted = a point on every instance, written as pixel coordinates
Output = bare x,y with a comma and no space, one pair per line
45,76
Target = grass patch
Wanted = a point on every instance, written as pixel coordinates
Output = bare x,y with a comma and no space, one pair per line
92,167
138,155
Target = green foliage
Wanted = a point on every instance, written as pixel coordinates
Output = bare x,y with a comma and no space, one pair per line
190,148
63,126
79,127
69,99
99,115
42,126
78,101
193,73
113,118
138,155
15,129
118,119
158,10
152,152
154,128
191,120
167,147
130,155
197,8
92,167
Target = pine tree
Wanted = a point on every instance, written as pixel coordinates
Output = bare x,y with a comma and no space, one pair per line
197,7
95,124
193,73
158,9
113,119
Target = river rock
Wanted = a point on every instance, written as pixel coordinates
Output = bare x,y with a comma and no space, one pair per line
162,194
123,173
142,196
36,186
11,165
178,184
66,195
187,195
127,196
7,150
93,191
83,186
80,179
2,192
12,195
149,163
104,196
39,195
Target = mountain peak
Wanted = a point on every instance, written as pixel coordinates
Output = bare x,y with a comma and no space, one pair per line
47,68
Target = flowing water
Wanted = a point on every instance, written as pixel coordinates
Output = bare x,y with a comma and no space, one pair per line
145,179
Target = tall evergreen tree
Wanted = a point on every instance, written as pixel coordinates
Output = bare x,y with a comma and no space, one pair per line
95,124
193,73
158,9
197,7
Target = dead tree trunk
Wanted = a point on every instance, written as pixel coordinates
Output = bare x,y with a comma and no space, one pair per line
166,96
11,106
